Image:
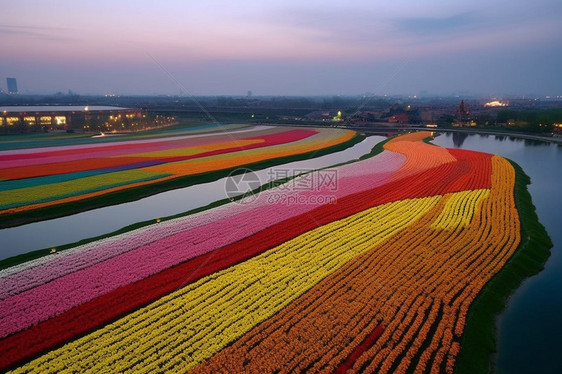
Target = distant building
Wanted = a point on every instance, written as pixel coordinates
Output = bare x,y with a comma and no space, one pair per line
12,85
400,118
496,103
365,117
463,110
319,115
17,119
462,117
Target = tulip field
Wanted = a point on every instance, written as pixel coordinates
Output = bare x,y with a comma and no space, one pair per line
381,281
34,179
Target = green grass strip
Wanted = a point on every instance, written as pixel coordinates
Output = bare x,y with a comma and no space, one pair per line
137,193
478,342
18,259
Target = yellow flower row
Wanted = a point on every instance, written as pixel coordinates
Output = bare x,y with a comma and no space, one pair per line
417,284
67,188
190,325
29,198
448,268
194,150
459,209
322,140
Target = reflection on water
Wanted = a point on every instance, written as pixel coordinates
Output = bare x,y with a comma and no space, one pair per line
530,329
459,138
64,230
534,143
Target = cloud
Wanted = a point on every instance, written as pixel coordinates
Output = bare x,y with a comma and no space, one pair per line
431,26
341,29
42,33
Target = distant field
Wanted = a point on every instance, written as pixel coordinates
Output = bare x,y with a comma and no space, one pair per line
379,279
42,177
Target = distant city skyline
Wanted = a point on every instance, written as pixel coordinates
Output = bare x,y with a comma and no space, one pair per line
283,47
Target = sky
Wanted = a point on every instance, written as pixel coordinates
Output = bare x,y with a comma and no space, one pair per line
283,47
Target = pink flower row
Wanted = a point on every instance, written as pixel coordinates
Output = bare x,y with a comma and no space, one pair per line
19,278
51,288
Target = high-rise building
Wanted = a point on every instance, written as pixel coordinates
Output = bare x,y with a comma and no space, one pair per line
12,85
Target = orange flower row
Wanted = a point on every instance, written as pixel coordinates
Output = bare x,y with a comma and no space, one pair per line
323,139
419,283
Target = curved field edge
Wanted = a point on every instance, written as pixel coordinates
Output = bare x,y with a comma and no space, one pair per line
137,193
478,342
145,191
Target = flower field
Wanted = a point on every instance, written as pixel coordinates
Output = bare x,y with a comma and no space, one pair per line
36,178
380,281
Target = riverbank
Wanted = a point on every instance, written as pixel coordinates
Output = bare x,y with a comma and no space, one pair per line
384,128
557,140
480,335
141,191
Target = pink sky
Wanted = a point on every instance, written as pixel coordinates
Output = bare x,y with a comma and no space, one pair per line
281,47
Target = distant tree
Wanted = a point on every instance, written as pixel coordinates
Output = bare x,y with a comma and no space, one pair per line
531,120
484,120
446,120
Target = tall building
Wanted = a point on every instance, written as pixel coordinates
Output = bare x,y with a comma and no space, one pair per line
12,85
463,109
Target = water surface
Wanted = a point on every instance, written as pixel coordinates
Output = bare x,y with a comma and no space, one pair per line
530,329
69,229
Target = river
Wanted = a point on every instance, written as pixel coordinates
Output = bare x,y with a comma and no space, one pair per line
530,329
69,229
